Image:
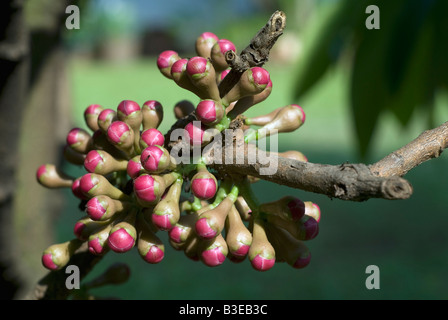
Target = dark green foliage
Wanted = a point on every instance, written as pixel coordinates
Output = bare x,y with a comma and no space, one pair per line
397,68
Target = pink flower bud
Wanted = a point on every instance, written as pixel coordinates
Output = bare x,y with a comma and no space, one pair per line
218,52
76,190
260,77
154,255
197,67
194,133
105,118
91,116
175,233
151,157
121,240
302,115
204,185
93,160
155,159
151,137
78,230
134,168
204,230
166,60
88,182
214,252
96,208
96,247
47,261
204,43
147,189
162,221
79,139
261,263
126,108
118,132
213,257
152,114
210,112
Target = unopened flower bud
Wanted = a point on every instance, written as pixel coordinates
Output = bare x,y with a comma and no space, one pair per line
261,252
152,112
150,247
98,241
183,229
150,188
287,119
243,208
51,177
167,213
76,190
134,167
165,61
183,80
57,256
151,137
156,159
238,237
218,53
123,235
253,81
203,76
204,44
102,207
105,118
212,222
103,163
304,229
130,112
195,133
214,252
93,184
91,116
79,140
210,112
204,184
121,136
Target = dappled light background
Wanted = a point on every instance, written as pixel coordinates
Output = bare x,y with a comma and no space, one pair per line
113,57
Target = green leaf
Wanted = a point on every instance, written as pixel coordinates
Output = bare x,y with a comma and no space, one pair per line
327,44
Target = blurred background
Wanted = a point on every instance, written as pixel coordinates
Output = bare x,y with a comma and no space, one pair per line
365,92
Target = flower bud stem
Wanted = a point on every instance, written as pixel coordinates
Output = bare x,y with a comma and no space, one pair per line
247,193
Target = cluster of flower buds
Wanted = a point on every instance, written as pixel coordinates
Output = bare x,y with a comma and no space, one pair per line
133,188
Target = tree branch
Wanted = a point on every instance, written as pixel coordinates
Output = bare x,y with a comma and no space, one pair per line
428,145
353,182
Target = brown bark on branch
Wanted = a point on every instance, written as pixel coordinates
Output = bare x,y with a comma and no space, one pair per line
256,54
428,145
353,182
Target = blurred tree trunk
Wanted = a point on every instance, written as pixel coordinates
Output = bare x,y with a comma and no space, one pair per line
34,105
